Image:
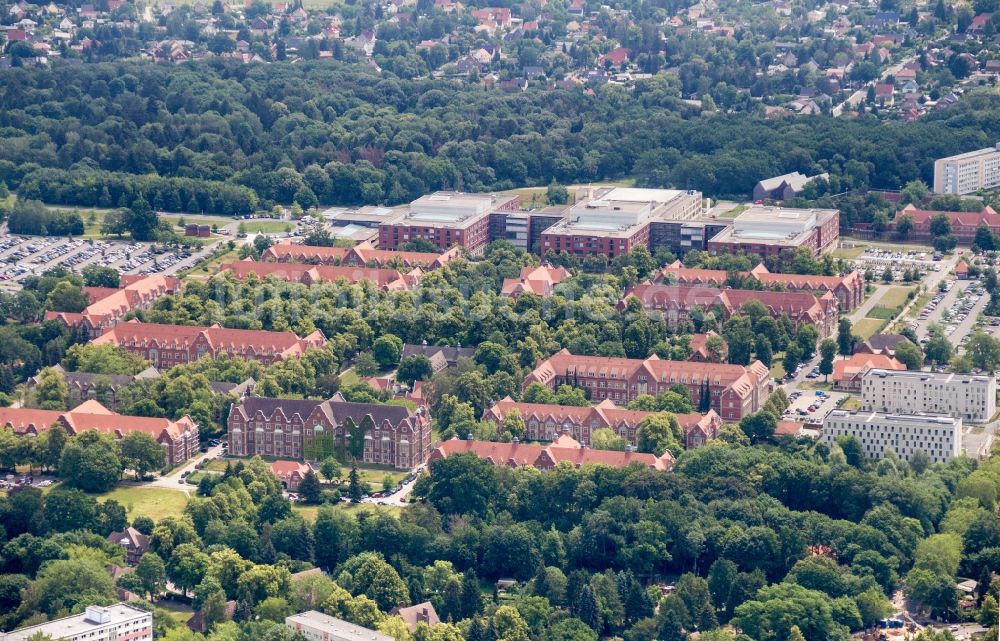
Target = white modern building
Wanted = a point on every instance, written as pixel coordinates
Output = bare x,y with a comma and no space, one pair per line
316,626
969,172
98,623
973,398
936,435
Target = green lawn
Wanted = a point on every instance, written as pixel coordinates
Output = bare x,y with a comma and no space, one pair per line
849,253
895,297
309,512
882,313
266,226
867,327
154,502
349,377
777,368
851,404
216,465
204,271
178,611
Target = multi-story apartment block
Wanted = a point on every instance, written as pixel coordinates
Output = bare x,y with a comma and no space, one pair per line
316,626
312,430
969,172
849,288
767,231
168,345
545,422
937,436
108,306
678,302
733,391
973,398
361,255
179,438
119,622
614,221
963,223
447,219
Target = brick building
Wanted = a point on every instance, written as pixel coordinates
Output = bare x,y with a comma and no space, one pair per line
546,457
168,345
733,391
309,274
545,422
179,438
963,223
540,281
678,302
108,306
448,219
613,221
361,255
849,289
767,231
312,430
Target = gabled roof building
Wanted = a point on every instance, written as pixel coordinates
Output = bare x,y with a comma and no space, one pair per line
309,274
733,391
168,345
108,306
179,438
311,430
546,457
547,422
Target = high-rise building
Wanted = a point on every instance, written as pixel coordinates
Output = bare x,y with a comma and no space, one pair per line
316,626
447,219
969,172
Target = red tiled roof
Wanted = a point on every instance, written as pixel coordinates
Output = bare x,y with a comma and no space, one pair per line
23,420
182,336
987,216
858,363
529,455
362,253
685,372
538,280
91,415
307,273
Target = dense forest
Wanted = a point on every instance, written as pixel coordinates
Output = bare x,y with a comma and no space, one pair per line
227,138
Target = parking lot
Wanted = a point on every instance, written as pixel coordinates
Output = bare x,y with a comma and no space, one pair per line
810,406
956,311
23,256
878,260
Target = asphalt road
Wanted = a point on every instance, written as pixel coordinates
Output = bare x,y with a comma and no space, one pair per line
172,480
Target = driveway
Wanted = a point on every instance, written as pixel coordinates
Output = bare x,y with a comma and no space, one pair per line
173,479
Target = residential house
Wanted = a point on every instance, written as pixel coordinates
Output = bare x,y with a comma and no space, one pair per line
134,542
440,356
416,614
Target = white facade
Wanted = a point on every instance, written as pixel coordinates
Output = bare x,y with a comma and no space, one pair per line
937,436
316,626
968,173
973,398
119,622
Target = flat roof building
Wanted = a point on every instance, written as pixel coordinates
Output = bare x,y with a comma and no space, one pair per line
316,626
969,172
936,435
612,221
972,398
447,219
767,231
97,623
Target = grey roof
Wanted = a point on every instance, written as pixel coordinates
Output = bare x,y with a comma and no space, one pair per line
335,409
451,354
885,341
